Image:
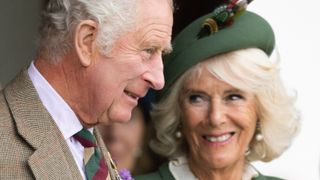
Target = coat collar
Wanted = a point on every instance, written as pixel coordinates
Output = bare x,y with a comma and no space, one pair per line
165,172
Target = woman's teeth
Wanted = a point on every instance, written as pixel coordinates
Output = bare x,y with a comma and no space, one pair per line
221,138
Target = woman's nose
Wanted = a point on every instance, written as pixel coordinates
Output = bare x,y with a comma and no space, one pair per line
216,114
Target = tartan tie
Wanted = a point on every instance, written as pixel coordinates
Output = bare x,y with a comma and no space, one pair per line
95,166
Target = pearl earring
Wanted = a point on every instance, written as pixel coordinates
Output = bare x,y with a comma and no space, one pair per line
259,136
178,134
248,151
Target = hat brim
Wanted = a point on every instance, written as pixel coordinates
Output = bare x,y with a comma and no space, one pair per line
248,30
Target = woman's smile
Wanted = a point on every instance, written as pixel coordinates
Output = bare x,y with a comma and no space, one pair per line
218,139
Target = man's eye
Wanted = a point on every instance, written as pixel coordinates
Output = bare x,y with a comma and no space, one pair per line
150,50
148,53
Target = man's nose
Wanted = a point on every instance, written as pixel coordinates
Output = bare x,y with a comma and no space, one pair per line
155,75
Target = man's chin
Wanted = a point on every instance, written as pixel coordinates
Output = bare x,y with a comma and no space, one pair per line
116,113
120,118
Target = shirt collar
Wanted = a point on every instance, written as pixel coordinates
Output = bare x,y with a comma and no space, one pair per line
180,170
64,117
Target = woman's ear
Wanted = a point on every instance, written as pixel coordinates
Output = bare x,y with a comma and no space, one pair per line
85,35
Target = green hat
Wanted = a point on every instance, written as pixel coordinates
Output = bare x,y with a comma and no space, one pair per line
247,30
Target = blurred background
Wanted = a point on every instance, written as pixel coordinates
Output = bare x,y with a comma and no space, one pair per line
18,31
296,25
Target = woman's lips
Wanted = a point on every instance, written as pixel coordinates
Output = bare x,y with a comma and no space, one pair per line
218,138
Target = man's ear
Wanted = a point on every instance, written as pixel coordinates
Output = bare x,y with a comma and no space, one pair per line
85,35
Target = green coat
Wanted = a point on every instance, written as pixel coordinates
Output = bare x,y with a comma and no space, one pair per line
164,173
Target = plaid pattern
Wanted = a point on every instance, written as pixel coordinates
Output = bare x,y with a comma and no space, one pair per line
95,167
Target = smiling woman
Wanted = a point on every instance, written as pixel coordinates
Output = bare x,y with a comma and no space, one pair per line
218,121
224,104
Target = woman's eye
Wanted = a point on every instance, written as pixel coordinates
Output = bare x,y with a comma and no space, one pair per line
195,99
234,97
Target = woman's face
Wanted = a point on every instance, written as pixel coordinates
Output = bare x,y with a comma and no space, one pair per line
218,122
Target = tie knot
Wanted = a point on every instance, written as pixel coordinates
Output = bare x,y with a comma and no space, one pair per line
85,138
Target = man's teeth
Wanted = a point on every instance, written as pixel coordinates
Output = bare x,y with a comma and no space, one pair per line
131,95
219,138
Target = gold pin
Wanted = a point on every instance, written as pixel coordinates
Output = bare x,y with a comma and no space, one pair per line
211,24
114,167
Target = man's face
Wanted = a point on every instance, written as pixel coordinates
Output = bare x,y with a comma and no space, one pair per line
134,65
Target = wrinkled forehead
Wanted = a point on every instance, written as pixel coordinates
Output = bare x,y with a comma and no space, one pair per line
150,10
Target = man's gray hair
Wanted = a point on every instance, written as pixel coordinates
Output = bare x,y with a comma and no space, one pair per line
60,18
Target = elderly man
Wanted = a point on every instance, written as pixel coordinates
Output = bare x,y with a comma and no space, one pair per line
95,60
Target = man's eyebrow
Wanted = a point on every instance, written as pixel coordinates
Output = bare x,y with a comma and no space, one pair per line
167,50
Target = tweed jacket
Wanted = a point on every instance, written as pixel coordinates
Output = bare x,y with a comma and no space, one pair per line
32,146
164,173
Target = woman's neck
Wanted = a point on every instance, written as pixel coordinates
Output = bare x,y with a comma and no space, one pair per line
232,172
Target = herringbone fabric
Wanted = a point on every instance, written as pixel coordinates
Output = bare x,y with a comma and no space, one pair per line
32,146
95,167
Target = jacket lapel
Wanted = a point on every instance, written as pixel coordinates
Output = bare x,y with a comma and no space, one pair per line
112,169
52,158
165,172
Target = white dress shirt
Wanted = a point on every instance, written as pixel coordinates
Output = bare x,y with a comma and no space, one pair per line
62,114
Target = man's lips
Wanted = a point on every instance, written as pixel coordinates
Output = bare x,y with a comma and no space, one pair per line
132,95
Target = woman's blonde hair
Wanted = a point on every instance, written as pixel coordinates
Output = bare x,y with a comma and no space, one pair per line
249,70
